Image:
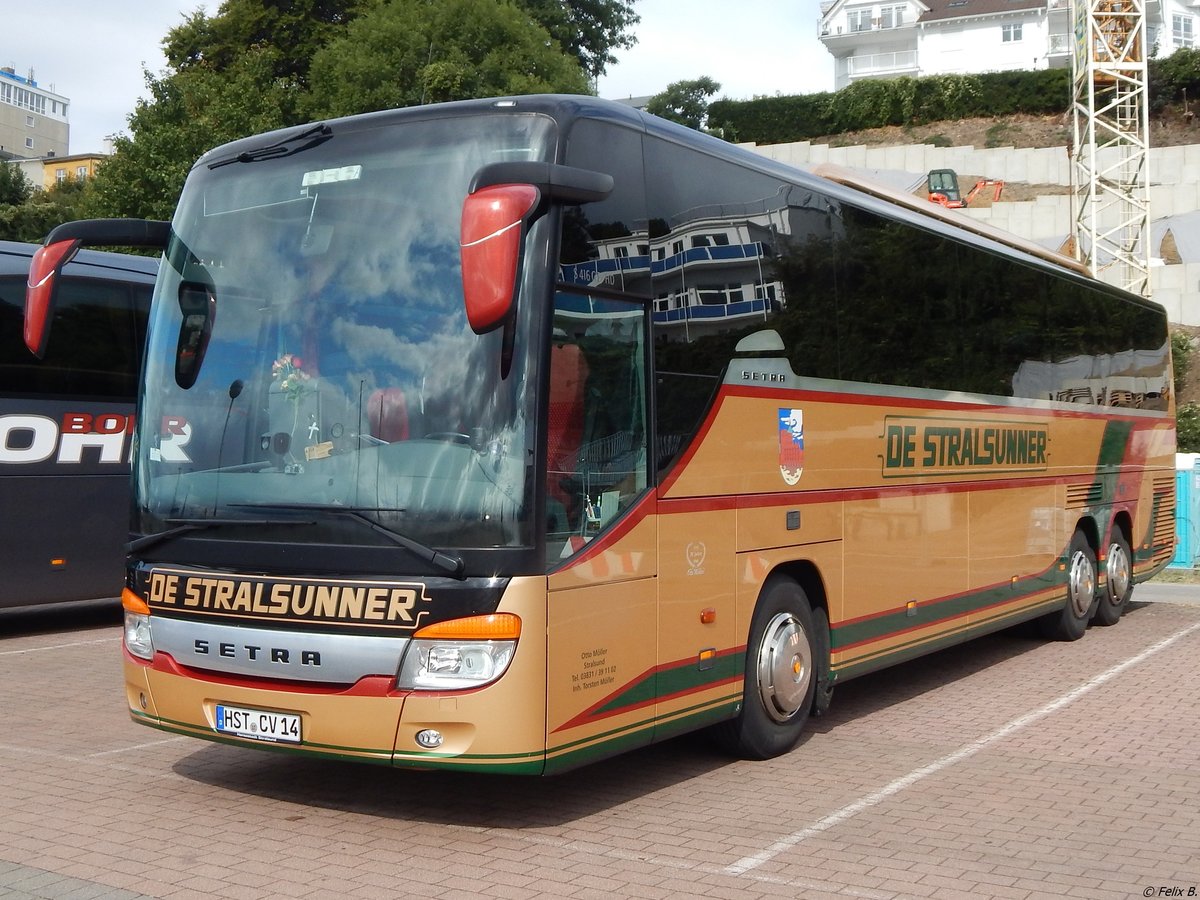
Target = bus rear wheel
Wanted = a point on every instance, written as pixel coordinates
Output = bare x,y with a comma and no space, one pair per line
1118,587
780,676
1069,623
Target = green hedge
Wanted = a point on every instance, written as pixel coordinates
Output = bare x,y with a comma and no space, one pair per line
1173,79
873,103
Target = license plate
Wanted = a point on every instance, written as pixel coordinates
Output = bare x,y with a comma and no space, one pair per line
259,724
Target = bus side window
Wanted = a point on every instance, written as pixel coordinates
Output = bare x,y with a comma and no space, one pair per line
568,381
99,328
596,451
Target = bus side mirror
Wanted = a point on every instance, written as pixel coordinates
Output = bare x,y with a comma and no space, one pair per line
502,200
60,248
492,236
40,291
199,307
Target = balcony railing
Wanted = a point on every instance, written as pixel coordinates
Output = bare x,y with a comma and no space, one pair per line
1060,43
878,63
862,27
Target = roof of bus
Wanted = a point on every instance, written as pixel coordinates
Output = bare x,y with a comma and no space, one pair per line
15,256
952,217
561,107
565,108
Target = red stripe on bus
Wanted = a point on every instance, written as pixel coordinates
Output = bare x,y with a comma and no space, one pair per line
594,712
677,505
1019,406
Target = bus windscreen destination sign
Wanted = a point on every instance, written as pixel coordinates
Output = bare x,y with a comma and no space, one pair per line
925,446
397,605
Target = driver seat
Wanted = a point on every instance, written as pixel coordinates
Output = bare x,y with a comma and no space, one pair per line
568,384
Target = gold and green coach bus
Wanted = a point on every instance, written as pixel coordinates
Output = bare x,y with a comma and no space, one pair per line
507,435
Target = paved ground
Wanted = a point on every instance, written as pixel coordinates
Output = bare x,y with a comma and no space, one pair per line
1009,768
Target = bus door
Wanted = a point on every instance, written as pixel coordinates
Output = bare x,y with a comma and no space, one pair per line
700,668
601,533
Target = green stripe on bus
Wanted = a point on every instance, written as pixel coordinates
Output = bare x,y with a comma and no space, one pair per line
1113,445
325,751
934,611
684,677
592,749
919,647
515,763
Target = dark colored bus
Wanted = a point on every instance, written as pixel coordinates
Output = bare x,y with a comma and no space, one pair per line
66,425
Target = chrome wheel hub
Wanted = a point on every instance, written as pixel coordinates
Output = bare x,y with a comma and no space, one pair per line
1119,573
1081,584
784,667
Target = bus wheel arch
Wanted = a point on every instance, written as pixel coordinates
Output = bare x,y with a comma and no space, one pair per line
808,576
1118,571
781,672
1070,622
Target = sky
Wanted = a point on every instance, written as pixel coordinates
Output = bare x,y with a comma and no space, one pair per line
94,53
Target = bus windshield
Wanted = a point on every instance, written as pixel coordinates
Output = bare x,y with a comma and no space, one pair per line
309,352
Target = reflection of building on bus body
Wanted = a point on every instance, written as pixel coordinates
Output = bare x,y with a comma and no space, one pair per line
713,265
610,431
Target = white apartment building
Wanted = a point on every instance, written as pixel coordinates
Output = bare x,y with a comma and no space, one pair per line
1176,28
889,38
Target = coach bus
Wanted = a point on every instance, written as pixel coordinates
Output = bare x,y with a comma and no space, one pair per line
66,423
507,435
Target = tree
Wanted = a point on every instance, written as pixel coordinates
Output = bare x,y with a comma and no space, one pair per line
14,186
188,113
258,65
685,102
295,29
34,218
410,52
587,29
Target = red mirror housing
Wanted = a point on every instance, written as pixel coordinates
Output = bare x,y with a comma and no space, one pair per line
44,269
492,234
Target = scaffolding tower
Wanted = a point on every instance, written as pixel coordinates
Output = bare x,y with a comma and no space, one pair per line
1111,117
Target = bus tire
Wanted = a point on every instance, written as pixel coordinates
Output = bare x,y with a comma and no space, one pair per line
1069,623
1118,582
823,693
780,677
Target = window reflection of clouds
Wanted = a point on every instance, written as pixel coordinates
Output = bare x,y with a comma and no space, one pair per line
361,281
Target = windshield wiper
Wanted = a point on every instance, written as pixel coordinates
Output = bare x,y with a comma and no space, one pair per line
182,526
290,146
449,563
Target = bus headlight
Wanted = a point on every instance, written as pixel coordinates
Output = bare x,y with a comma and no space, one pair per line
462,653
138,640
137,636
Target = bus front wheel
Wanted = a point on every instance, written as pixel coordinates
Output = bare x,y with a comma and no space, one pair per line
780,677
1069,623
1118,571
